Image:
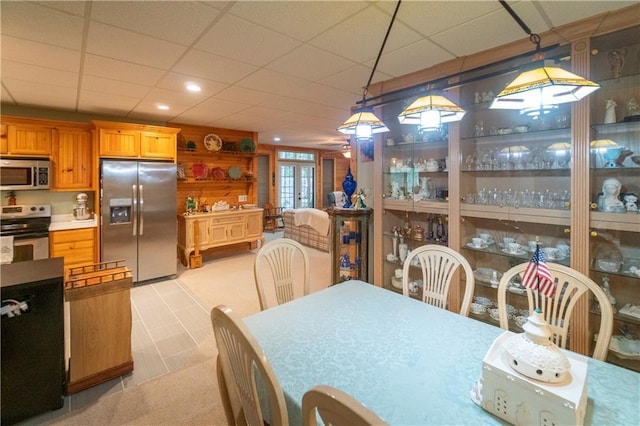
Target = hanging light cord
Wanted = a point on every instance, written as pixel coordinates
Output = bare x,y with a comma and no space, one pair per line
533,37
375,65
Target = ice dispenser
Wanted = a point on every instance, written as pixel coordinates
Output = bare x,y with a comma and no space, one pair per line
119,211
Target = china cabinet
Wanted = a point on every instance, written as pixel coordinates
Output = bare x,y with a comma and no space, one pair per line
567,180
614,222
415,182
350,248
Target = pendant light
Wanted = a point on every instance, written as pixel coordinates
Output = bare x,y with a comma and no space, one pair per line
430,112
363,124
346,150
539,89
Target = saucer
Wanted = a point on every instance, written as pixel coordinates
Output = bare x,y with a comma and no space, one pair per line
482,247
518,253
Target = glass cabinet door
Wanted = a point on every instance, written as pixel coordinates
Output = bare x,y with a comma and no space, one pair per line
415,191
515,185
615,187
350,249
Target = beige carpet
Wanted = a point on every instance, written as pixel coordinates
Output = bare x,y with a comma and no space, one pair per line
190,396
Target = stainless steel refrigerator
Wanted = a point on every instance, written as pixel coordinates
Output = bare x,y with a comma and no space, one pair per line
138,216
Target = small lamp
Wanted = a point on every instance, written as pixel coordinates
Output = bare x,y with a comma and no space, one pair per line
430,112
363,124
538,90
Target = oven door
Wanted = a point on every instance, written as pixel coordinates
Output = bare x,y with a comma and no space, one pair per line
30,249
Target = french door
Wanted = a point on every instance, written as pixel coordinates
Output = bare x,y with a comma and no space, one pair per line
296,183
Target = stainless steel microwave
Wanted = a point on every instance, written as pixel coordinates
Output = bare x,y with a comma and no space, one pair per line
20,175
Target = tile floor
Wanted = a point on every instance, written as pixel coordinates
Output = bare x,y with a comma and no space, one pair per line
168,323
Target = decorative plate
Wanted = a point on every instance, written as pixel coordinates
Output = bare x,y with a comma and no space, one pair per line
247,145
213,142
218,174
235,173
200,171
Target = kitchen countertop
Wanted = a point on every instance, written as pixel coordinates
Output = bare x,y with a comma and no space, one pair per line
61,222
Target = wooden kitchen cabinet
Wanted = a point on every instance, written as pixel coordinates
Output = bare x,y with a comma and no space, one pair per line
77,246
4,146
29,140
219,229
125,140
72,160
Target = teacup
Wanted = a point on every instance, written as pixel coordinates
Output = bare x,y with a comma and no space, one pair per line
508,240
398,273
520,320
485,237
391,257
494,313
477,308
563,250
477,242
513,248
550,252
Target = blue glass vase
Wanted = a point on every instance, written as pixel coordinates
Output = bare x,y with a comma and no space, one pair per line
349,187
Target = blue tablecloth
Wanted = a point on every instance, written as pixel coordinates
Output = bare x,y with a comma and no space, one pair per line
411,363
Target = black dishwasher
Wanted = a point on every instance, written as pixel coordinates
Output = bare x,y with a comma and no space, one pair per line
33,371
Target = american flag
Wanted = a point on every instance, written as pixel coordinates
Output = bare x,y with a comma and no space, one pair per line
537,276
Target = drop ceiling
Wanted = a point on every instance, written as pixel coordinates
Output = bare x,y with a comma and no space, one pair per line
287,69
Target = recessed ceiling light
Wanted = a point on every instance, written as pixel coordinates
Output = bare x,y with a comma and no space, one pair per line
276,139
192,87
162,107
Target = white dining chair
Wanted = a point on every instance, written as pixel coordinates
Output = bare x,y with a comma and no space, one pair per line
439,265
288,262
240,360
336,408
557,310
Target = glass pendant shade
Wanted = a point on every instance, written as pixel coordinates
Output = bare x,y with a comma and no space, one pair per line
538,91
363,124
430,112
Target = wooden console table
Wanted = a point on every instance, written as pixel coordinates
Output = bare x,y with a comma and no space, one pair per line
218,229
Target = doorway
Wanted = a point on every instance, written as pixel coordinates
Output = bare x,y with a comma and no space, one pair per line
296,183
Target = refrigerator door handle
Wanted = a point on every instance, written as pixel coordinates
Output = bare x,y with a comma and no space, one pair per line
134,200
141,210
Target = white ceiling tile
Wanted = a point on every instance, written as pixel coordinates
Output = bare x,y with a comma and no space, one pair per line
479,34
212,67
74,7
115,87
108,104
360,37
28,52
244,95
34,22
301,20
310,63
116,43
180,22
241,40
37,74
564,12
354,79
272,82
100,66
177,82
29,93
414,57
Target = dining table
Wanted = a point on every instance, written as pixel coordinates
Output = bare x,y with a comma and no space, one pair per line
408,361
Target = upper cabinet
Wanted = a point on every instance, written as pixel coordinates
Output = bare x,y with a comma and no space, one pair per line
125,140
28,140
72,159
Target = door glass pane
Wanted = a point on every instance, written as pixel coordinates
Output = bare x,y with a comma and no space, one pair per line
287,186
307,184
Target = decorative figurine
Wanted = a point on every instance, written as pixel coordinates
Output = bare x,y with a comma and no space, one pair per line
630,202
610,111
616,62
632,107
607,291
609,200
359,203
